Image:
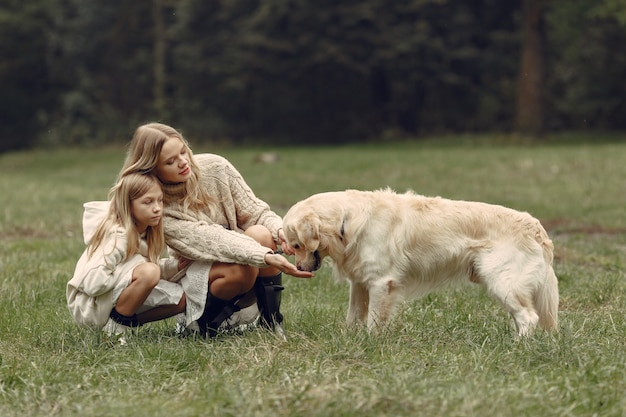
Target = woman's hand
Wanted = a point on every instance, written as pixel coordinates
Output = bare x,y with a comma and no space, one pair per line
283,265
282,240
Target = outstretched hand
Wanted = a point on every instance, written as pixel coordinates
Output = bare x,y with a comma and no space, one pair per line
283,265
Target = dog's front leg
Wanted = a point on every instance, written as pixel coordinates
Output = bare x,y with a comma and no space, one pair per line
384,298
359,301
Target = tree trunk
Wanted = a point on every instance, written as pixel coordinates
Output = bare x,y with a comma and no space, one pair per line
159,46
529,112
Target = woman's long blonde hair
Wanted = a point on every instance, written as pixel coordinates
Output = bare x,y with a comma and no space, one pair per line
143,157
130,187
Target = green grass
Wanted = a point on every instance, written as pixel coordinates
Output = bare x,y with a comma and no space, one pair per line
449,354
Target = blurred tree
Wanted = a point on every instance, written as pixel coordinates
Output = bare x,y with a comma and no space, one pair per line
610,9
102,58
587,61
333,72
25,97
159,60
87,71
529,112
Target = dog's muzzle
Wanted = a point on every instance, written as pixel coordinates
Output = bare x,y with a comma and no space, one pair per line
318,261
316,265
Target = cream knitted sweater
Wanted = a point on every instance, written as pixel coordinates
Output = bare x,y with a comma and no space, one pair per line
218,237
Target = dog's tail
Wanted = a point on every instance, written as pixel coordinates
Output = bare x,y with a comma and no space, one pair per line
547,301
547,295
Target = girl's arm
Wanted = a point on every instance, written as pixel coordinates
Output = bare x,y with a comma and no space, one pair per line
170,266
95,275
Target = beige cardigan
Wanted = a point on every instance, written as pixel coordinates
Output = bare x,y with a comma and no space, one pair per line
218,236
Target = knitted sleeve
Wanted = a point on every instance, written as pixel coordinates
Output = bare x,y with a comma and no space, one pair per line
248,208
199,240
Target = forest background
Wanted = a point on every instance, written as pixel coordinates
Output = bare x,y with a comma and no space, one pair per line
85,72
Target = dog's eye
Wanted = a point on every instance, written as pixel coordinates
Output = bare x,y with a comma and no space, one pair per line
296,246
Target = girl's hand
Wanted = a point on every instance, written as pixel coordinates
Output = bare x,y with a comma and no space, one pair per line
183,263
283,265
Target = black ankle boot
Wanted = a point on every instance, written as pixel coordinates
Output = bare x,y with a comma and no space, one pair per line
130,321
215,312
268,294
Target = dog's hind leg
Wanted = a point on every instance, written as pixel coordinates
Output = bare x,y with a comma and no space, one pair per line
384,296
510,276
520,306
359,302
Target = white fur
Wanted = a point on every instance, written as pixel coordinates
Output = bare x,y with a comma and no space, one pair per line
393,246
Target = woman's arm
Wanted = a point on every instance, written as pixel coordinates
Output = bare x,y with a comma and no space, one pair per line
198,240
250,210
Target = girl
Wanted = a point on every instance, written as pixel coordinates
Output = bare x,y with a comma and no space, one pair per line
119,273
212,216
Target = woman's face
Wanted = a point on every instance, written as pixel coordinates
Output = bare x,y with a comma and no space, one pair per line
173,166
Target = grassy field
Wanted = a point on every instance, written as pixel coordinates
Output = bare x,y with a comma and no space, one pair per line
449,354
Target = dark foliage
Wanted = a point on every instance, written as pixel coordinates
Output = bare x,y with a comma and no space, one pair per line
298,71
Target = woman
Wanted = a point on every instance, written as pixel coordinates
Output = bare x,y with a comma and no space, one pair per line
211,216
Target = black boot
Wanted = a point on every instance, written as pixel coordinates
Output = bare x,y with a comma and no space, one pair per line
215,312
130,321
268,295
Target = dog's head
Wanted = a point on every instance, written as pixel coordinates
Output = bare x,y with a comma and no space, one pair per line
302,230
316,228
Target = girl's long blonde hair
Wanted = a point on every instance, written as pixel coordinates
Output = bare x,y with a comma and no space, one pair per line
143,157
130,187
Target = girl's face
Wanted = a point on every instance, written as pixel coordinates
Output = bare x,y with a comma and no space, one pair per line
146,210
173,165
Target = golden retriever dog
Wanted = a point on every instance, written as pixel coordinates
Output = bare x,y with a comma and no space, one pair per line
392,246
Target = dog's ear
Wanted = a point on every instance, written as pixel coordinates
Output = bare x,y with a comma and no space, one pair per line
308,231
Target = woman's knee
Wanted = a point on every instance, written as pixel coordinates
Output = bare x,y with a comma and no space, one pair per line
262,235
147,274
245,275
241,276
